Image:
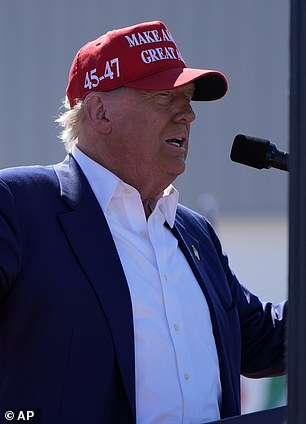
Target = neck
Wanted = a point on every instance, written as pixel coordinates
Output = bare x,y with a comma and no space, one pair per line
146,208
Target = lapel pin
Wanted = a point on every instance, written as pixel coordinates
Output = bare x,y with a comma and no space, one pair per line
195,252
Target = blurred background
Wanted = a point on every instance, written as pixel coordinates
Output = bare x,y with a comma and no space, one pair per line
248,40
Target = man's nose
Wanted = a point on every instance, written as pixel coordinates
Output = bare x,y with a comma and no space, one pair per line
185,113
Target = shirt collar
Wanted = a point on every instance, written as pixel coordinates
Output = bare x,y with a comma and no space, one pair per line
96,173
102,182
167,203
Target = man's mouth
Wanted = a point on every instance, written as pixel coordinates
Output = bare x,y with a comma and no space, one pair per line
178,142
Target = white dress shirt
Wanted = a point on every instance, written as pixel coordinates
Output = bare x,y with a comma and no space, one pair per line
177,370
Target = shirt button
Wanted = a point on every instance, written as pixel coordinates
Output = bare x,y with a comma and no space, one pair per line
176,327
143,234
127,190
186,376
165,277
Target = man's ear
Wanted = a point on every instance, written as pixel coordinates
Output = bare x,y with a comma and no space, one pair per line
96,112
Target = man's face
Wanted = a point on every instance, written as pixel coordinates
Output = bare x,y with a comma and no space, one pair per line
150,136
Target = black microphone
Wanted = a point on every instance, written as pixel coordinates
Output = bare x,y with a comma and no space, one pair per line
258,153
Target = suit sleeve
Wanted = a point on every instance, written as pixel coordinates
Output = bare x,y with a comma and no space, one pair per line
262,326
10,251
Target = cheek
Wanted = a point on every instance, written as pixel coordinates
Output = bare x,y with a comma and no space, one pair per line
140,133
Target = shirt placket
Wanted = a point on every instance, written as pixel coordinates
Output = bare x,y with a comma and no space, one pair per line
172,308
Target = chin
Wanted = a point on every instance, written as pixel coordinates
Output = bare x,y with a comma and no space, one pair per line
178,172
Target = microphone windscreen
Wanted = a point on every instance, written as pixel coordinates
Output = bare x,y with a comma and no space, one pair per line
250,151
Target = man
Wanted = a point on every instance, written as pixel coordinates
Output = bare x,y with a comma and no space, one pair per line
118,304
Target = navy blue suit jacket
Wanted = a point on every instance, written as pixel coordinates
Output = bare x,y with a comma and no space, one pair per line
66,329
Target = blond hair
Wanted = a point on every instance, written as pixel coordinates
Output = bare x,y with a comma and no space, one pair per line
71,122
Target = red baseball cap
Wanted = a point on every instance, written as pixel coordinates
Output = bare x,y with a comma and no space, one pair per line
142,56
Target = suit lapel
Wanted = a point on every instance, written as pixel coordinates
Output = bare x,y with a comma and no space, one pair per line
88,233
198,255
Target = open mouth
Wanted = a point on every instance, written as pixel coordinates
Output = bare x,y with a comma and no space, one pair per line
178,142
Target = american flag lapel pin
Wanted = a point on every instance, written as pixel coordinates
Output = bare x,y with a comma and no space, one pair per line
196,252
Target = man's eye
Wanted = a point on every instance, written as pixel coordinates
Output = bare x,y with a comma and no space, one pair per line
164,93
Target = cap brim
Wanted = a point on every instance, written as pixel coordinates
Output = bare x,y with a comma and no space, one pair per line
209,84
